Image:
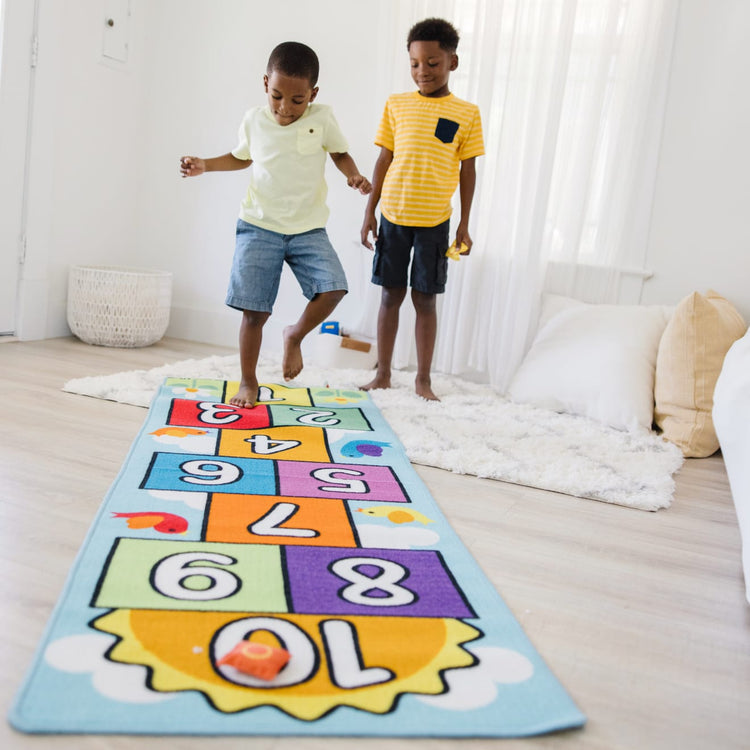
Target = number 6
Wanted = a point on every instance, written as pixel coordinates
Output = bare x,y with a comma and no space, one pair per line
169,575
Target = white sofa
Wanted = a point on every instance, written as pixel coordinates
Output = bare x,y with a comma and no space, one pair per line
731,417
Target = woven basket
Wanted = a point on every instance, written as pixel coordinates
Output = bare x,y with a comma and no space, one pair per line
112,306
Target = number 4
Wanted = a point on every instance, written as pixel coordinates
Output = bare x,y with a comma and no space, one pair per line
264,446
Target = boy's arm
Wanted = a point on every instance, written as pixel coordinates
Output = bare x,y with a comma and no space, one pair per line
466,183
192,166
370,223
345,164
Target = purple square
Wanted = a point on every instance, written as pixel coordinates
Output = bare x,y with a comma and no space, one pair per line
382,582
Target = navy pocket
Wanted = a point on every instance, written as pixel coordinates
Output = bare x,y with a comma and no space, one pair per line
441,270
446,130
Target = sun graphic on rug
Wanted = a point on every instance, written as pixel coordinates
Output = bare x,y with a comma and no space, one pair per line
361,662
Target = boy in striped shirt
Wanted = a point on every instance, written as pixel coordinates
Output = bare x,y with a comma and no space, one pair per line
429,140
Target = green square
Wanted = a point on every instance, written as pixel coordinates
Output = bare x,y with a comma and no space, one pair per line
192,576
319,416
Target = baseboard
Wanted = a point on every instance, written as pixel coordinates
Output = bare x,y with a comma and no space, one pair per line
220,327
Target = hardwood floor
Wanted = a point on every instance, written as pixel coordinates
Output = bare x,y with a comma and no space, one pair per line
642,616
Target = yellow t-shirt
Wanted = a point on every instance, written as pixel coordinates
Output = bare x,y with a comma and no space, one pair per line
429,139
287,190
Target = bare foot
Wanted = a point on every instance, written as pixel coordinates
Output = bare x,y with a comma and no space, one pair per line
246,395
424,389
291,364
379,381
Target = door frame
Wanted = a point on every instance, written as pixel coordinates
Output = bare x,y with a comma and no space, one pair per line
18,24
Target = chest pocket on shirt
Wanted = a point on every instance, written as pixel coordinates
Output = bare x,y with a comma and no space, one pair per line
446,130
309,140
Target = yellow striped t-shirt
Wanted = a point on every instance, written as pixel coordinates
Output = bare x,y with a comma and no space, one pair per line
429,139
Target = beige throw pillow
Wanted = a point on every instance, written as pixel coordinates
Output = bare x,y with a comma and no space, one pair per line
688,363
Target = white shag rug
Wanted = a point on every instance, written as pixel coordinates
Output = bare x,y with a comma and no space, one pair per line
471,430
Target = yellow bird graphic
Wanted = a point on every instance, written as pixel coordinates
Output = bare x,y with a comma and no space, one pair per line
395,515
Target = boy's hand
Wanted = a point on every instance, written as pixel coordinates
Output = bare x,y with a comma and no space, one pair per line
462,238
358,182
192,166
370,225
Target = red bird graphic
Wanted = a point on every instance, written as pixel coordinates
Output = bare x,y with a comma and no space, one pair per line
165,523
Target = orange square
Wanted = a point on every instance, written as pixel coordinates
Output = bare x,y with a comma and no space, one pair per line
268,519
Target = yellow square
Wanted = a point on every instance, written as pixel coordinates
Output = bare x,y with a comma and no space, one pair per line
278,443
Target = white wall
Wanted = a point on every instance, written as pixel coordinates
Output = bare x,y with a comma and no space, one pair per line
104,183
700,230
105,187
84,159
206,71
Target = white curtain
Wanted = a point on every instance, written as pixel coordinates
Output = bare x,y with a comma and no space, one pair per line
572,97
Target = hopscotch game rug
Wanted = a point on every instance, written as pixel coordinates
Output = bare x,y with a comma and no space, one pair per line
280,570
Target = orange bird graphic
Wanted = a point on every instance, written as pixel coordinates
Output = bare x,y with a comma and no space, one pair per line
177,431
165,523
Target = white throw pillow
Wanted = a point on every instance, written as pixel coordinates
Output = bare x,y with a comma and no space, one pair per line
594,360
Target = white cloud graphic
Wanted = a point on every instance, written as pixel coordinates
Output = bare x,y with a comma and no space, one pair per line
376,535
195,500
336,434
475,687
189,443
81,654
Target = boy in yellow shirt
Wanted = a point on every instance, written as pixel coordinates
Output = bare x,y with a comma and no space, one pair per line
428,140
283,216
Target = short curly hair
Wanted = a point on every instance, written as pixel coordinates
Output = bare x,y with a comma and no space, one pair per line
434,30
294,59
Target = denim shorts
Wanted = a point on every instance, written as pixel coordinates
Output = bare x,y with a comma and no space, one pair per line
429,266
259,257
